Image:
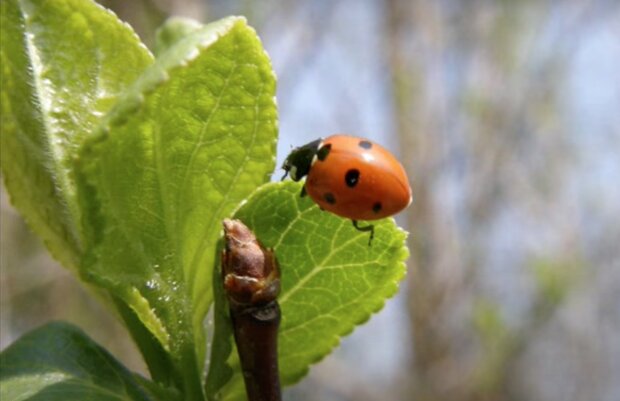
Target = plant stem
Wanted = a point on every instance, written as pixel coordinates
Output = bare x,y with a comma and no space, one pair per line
256,335
251,279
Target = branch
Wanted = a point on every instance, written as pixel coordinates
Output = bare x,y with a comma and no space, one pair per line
252,283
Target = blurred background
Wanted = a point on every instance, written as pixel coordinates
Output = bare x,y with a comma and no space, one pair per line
506,115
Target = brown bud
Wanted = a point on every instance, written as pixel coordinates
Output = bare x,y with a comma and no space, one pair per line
250,271
252,282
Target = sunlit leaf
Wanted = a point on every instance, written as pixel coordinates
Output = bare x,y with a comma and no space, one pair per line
173,30
332,280
191,139
63,64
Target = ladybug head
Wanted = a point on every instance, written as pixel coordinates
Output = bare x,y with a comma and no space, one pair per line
298,162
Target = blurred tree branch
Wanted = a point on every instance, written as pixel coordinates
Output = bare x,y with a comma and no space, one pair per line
474,106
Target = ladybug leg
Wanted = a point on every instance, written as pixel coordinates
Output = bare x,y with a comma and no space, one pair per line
370,228
303,191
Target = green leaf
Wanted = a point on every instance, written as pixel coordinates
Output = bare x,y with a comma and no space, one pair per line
331,279
220,372
157,359
554,279
59,362
190,140
173,30
62,66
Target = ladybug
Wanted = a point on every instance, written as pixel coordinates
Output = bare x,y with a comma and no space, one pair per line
351,177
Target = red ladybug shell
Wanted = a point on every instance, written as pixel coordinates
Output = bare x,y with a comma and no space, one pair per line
357,179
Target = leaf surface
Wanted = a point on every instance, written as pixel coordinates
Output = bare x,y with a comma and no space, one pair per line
193,137
59,362
331,279
173,30
63,64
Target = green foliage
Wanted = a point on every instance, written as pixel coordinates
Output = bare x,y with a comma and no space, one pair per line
554,279
173,30
498,343
192,138
59,362
331,279
126,165
63,65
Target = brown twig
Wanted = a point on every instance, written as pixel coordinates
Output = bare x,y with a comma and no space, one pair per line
252,283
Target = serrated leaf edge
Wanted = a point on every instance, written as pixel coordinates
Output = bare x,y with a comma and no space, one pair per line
155,76
399,258
143,308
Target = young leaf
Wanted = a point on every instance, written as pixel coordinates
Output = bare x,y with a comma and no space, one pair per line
63,64
331,279
59,362
173,30
193,137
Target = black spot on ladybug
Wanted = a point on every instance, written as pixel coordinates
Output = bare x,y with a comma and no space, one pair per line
329,198
352,177
365,144
377,207
323,152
